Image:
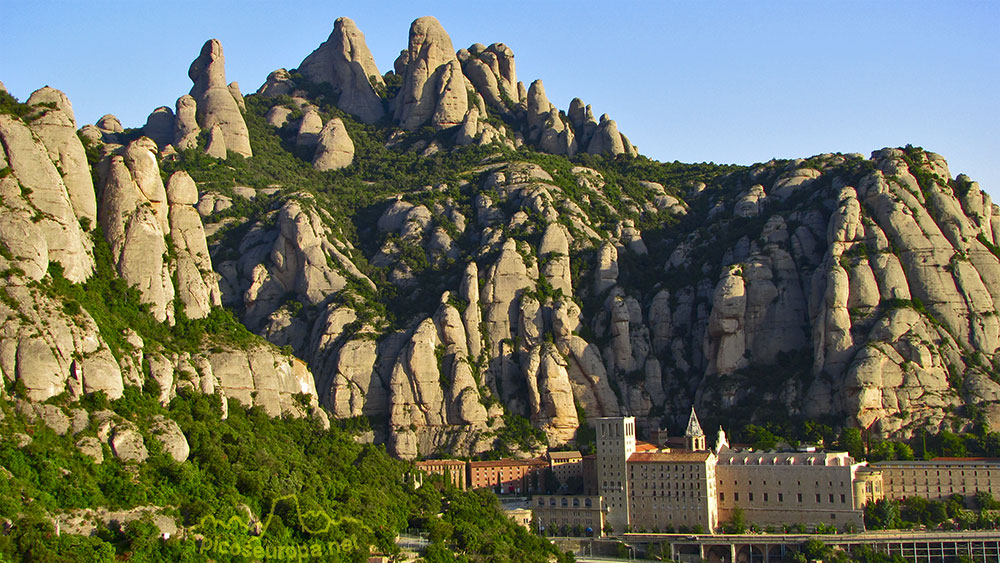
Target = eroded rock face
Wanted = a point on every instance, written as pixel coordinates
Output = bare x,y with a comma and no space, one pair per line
160,126
171,438
279,83
433,90
261,376
344,62
186,127
335,150
43,196
197,283
134,218
56,128
215,102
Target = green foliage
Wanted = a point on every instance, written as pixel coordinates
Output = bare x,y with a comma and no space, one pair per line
759,437
850,442
517,434
117,307
249,460
737,522
985,501
10,106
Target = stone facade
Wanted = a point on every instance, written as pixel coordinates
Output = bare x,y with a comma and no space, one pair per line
567,468
789,487
508,476
672,489
615,443
453,470
939,478
566,512
655,489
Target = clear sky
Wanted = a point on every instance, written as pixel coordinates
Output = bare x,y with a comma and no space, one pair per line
738,82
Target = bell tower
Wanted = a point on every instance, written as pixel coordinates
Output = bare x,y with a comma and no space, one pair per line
694,437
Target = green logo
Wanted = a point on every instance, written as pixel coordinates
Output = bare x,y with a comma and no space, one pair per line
240,537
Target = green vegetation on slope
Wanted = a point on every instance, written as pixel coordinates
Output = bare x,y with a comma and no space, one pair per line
248,464
116,307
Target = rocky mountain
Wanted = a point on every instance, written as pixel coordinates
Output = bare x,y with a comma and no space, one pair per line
443,251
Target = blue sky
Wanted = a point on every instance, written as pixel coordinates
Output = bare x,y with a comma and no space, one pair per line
738,82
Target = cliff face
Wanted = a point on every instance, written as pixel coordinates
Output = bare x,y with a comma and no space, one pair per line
481,273
155,243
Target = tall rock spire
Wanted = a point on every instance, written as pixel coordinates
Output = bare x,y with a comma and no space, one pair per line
344,62
434,88
215,102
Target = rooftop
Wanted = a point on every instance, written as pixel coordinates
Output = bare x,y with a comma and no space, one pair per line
429,462
939,461
645,447
508,462
669,457
561,456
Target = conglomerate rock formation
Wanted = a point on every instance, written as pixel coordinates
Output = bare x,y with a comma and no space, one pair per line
554,275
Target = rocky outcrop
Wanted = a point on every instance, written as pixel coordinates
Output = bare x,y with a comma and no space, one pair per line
171,438
344,62
291,259
197,283
310,127
215,102
160,126
434,397
434,89
606,138
334,150
134,218
263,377
110,127
186,127
127,444
216,146
38,193
56,128
279,83
234,89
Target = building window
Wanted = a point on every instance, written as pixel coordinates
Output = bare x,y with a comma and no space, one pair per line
722,497
843,499
817,498
751,497
781,497
800,497
765,497
736,497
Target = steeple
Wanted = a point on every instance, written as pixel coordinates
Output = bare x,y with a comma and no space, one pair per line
694,437
721,441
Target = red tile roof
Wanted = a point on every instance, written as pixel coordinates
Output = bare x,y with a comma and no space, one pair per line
645,446
669,457
508,462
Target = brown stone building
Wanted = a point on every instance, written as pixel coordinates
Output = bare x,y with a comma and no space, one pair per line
939,478
568,514
567,468
452,470
774,488
671,490
508,476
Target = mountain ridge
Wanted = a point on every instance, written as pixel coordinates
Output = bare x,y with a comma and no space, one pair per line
514,271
